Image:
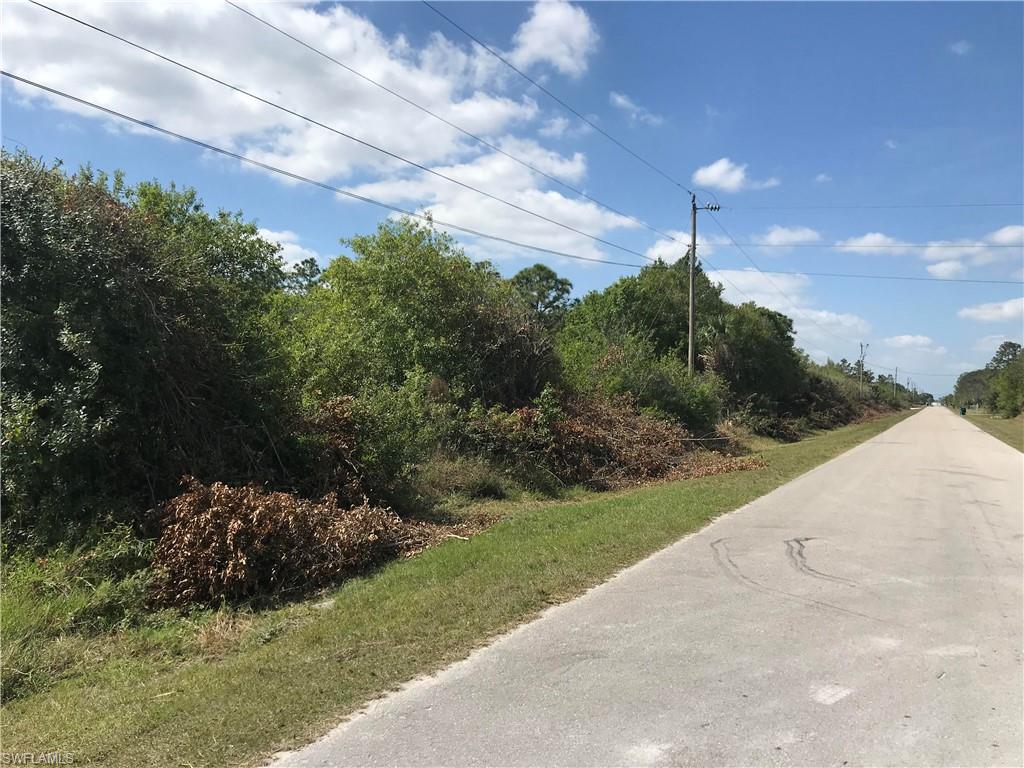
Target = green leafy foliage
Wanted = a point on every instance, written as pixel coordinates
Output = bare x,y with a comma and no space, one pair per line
411,299
134,347
999,386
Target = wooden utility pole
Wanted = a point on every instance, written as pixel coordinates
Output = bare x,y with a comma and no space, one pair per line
691,331
895,378
692,318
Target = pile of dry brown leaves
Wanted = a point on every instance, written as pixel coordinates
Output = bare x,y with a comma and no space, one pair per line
226,543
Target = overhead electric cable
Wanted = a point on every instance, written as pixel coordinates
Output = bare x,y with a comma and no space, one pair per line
305,179
895,277
556,98
868,207
344,134
484,142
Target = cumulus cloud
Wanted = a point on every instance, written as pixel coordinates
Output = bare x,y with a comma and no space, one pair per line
514,183
725,175
459,81
822,178
994,312
781,238
946,269
637,114
441,75
291,251
672,250
961,47
989,344
873,242
819,332
554,128
890,144
558,34
908,341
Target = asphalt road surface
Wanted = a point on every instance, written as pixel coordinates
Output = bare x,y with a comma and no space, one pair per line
867,613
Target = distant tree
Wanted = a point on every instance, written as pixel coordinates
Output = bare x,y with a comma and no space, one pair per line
545,292
302,276
972,387
1008,352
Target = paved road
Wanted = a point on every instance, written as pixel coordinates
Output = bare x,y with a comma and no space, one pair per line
867,613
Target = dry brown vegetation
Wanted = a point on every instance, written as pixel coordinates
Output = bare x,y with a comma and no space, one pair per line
223,543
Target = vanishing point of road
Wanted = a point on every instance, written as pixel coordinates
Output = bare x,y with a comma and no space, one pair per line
866,613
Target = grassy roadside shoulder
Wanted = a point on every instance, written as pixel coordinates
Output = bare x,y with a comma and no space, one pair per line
374,633
1010,431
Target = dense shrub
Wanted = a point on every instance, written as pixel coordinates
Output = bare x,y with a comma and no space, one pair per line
413,300
660,382
225,543
134,347
999,386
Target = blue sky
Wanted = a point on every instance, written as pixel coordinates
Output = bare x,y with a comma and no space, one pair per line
767,107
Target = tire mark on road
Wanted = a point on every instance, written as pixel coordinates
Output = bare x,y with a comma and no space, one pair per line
731,570
797,556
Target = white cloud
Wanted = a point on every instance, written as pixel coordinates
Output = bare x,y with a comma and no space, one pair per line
819,332
781,238
672,250
891,144
637,114
908,341
946,269
989,344
441,75
822,178
459,81
728,176
557,33
873,242
513,182
1011,235
961,47
1006,242
994,312
291,252
554,128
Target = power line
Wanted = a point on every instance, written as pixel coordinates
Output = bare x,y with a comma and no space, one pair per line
449,123
895,277
305,179
893,246
767,277
334,189
551,95
869,207
339,132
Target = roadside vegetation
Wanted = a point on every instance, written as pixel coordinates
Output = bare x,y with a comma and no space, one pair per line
994,395
229,687
198,437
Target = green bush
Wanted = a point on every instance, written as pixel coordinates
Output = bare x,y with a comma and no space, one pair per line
413,300
134,348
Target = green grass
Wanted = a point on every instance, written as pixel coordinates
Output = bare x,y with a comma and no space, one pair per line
1010,431
262,682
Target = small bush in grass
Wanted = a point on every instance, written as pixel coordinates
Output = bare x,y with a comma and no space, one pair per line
223,543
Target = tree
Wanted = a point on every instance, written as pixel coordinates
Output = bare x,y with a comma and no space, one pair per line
756,356
412,299
545,292
134,347
1008,352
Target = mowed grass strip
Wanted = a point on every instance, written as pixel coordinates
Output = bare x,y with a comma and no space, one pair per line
1010,431
411,617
